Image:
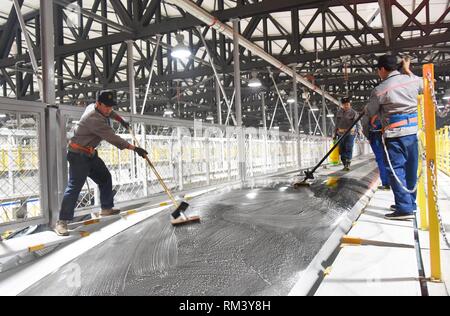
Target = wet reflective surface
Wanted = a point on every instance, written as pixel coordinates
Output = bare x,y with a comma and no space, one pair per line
253,240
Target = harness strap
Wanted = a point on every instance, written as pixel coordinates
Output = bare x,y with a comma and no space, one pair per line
86,150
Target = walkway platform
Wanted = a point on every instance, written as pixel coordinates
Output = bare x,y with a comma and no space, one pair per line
390,269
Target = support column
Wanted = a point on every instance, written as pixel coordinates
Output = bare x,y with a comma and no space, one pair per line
324,114
131,76
296,118
263,110
238,100
309,122
218,102
53,129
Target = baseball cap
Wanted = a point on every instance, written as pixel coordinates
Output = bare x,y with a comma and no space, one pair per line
346,100
107,97
388,62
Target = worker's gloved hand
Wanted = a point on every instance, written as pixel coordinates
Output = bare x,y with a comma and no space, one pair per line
125,125
141,152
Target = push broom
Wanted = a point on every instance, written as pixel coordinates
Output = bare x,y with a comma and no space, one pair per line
178,216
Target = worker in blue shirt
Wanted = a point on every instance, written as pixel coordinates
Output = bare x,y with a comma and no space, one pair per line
395,99
345,118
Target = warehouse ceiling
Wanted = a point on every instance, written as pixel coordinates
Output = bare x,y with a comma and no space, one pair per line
332,43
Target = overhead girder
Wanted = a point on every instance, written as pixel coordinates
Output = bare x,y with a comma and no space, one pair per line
145,20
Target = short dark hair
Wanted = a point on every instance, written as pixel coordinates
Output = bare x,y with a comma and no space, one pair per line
107,97
346,100
388,62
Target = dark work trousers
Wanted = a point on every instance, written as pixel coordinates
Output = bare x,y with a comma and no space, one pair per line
404,156
346,148
81,167
377,146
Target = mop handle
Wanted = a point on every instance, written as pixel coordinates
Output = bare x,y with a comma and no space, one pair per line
161,181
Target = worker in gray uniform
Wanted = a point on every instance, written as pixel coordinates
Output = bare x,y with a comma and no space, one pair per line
93,127
345,118
395,98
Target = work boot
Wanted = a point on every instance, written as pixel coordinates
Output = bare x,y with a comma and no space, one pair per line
61,228
384,188
397,216
109,212
346,167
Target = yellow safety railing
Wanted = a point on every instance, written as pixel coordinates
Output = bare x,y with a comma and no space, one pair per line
443,149
430,131
421,191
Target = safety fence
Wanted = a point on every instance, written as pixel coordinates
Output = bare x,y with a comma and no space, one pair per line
443,149
187,154
22,164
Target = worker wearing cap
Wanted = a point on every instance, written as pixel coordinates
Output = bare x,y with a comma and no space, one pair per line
345,118
93,127
395,99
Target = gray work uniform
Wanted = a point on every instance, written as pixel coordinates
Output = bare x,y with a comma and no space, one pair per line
345,120
95,127
396,100
397,94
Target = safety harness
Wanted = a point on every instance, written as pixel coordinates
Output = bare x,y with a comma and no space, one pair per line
87,150
402,120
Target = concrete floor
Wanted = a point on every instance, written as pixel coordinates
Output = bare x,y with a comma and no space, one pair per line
253,240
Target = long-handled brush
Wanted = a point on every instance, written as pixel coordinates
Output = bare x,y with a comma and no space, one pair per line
178,216
309,174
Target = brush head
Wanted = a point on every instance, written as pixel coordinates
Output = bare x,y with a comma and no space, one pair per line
301,184
183,221
308,176
180,209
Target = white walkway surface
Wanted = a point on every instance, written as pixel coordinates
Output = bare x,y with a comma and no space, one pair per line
391,270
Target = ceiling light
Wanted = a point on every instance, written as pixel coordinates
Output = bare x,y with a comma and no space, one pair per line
181,51
210,118
446,95
168,112
291,98
254,82
330,115
314,108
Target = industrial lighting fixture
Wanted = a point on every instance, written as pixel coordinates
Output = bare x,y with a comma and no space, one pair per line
254,82
446,95
330,115
210,118
305,95
181,51
168,112
317,57
291,98
2,115
314,108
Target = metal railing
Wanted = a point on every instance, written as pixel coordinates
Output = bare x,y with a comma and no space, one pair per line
22,164
443,149
188,155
